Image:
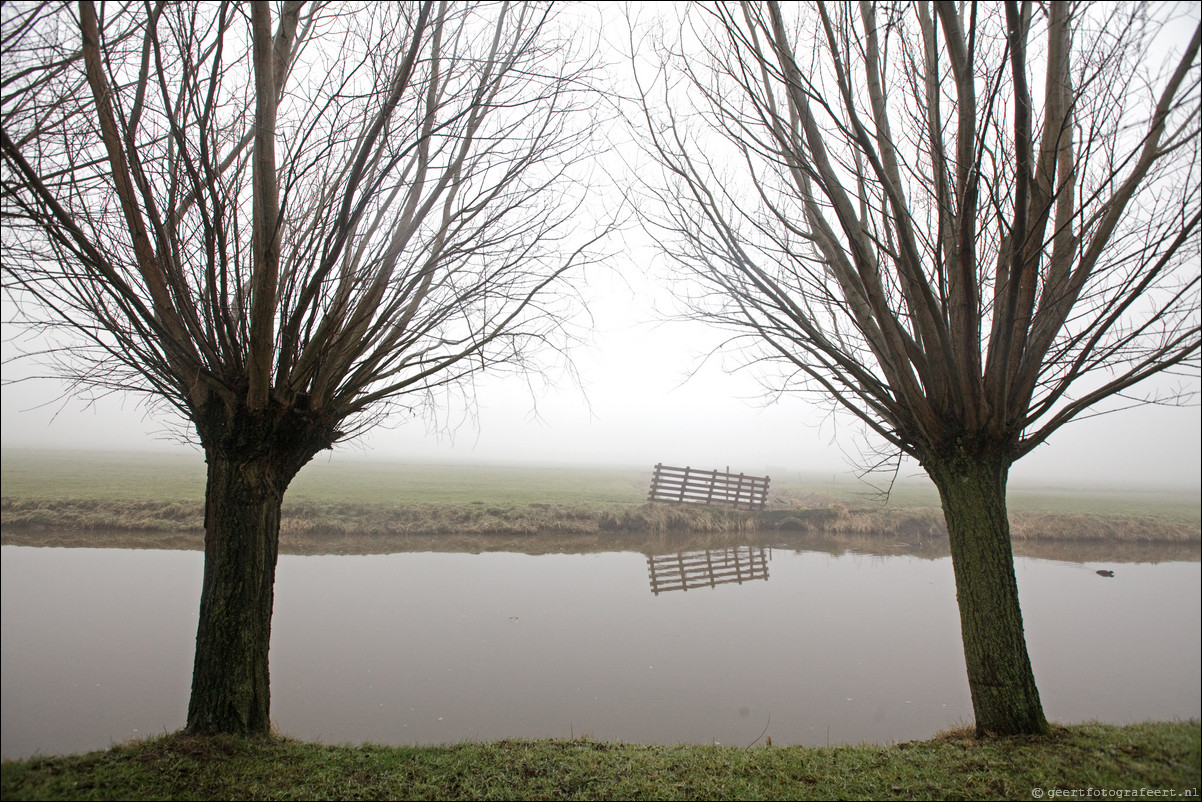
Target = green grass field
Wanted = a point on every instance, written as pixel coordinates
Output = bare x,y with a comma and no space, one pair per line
174,477
340,505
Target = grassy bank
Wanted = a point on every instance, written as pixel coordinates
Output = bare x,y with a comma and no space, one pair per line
649,529
1163,756
324,527
338,506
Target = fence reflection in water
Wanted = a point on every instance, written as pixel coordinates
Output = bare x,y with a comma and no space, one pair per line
708,568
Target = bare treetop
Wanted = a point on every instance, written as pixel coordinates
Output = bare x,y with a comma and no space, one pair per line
924,213
425,157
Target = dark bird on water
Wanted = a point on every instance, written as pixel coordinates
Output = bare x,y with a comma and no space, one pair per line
1105,573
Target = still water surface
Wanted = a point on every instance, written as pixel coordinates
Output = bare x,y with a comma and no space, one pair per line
807,648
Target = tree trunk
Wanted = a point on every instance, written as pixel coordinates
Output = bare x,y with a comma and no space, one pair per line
250,465
1005,700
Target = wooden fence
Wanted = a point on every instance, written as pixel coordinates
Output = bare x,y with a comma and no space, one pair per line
709,568
708,487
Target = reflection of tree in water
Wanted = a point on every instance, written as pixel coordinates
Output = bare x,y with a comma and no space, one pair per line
708,568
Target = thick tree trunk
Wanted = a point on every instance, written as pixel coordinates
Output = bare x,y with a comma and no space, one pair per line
1005,700
230,680
251,463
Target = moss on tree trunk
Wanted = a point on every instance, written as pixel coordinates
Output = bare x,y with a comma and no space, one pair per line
1005,700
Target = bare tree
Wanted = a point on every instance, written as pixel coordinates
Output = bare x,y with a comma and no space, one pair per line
966,224
285,221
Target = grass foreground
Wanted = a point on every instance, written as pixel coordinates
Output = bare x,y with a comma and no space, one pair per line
1157,759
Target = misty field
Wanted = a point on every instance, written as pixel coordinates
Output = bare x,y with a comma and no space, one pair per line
348,505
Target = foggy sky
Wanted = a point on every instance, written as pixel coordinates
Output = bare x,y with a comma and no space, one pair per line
636,404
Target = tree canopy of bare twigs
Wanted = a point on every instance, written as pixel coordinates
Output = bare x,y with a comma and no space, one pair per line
285,220
425,160
965,224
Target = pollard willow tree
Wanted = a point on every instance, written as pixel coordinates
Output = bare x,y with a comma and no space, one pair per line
285,221
965,224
